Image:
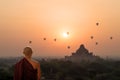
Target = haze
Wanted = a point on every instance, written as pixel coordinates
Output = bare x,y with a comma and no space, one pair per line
25,20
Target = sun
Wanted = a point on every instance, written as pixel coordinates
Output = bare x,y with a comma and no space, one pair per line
65,34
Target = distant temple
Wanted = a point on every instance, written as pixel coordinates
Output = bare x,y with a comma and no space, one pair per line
82,54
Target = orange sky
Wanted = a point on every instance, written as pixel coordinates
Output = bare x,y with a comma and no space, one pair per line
24,20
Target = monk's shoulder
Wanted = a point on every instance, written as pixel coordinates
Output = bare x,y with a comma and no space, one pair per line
36,62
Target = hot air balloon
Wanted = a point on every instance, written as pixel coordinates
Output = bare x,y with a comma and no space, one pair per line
97,23
111,38
92,37
30,42
55,39
68,47
67,33
44,38
96,43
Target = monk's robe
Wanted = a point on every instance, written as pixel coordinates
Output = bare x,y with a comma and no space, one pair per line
25,71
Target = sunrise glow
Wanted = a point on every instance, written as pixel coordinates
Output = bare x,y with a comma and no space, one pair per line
52,25
65,35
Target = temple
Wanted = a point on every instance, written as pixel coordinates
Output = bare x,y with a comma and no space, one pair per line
82,54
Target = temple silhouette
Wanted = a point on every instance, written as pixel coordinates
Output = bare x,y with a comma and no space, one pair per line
82,54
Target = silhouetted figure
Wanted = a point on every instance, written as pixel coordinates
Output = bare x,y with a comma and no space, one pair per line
27,68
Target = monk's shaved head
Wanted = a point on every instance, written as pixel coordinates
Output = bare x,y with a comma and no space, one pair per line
27,51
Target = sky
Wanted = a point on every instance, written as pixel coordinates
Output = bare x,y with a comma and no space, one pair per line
22,21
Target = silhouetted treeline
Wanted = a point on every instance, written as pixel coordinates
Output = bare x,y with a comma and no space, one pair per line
67,70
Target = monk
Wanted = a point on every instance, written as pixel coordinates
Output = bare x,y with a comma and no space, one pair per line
27,68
